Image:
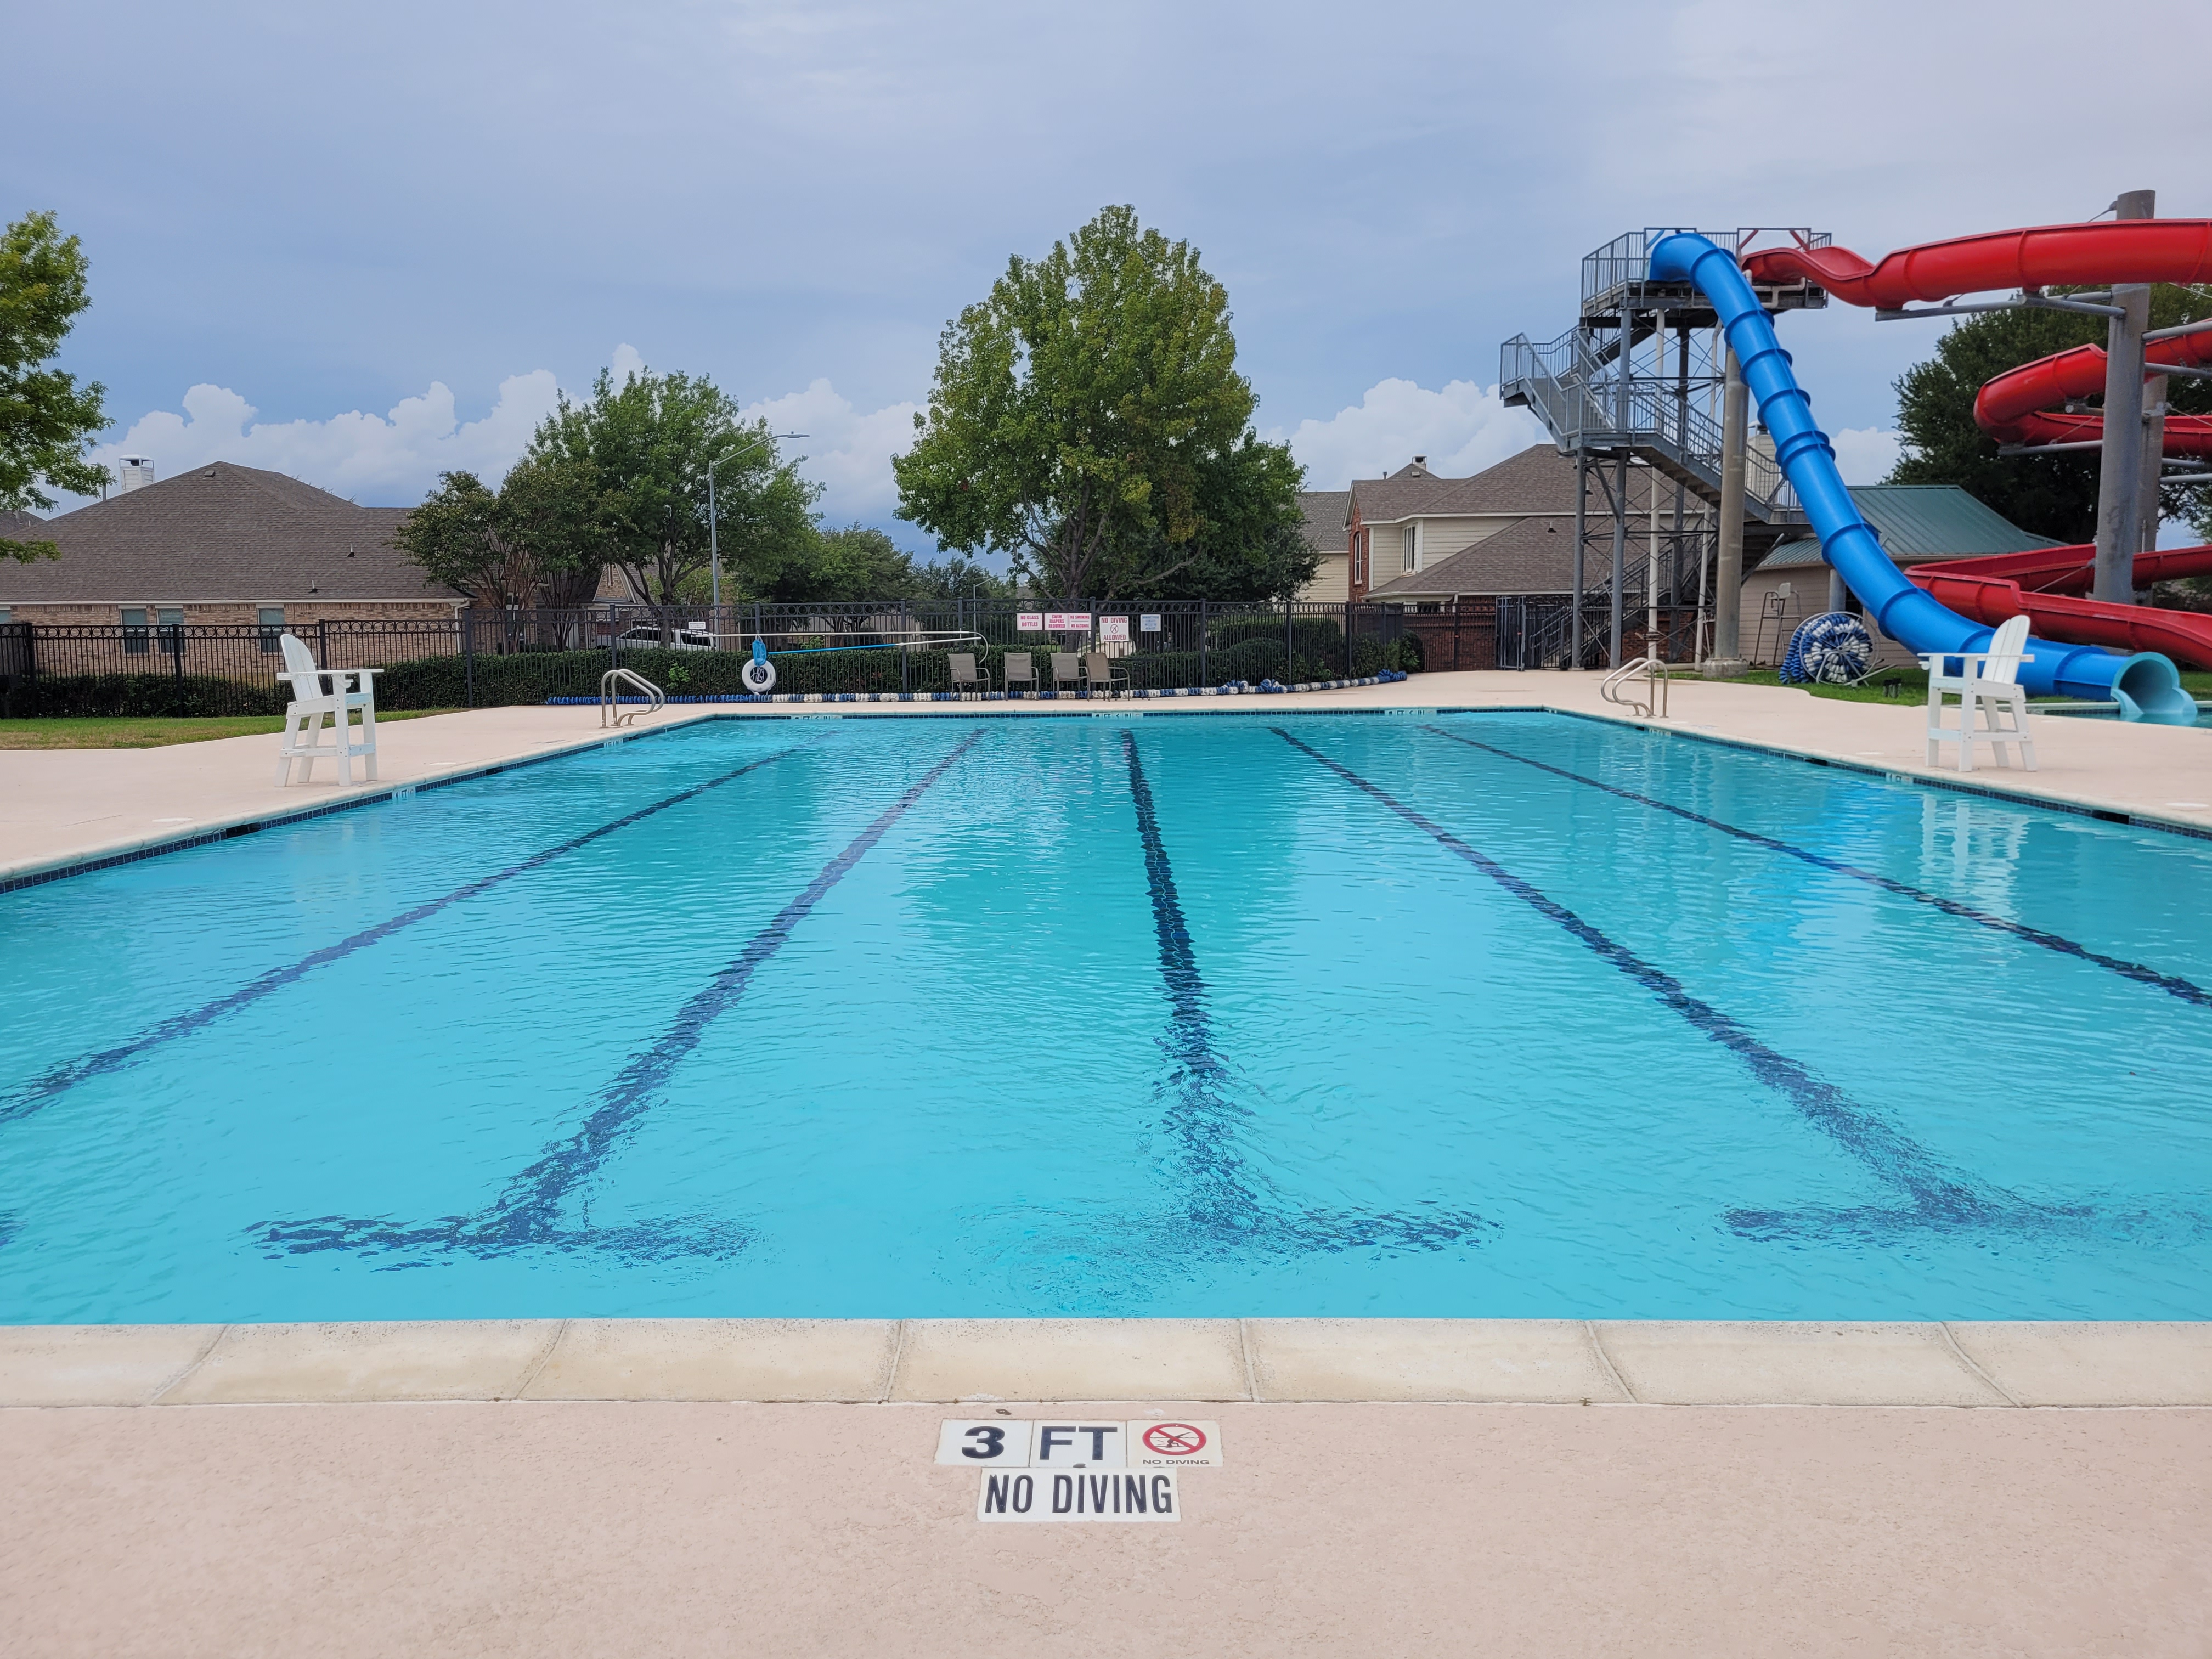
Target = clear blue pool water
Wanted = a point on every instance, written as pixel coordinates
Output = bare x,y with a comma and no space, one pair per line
1481,1014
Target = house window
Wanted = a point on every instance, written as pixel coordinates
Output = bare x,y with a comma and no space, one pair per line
271,618
1412,547
134,633
171,619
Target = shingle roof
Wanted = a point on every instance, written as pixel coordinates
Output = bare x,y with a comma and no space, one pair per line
220,533
1536,555
1326,511
1539,479
1922,521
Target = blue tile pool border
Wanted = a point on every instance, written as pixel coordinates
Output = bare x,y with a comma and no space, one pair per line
1269,708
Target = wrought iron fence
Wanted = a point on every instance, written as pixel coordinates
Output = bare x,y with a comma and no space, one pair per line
483,656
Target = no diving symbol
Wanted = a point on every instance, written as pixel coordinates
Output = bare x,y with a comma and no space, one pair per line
1175,1439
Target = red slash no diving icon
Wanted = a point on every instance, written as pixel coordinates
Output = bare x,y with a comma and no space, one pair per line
1175,1439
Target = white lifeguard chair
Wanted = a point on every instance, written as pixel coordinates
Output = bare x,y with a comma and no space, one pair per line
337,692
1992,703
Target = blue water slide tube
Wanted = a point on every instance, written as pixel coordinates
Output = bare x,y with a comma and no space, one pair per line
2146,686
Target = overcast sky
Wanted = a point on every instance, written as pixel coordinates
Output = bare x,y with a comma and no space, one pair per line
363,246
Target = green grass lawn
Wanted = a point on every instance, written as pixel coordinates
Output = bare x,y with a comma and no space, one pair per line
154,732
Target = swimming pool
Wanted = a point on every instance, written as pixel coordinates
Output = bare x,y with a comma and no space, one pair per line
1463,1014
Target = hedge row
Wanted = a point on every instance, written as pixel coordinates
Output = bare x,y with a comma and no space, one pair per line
1243,651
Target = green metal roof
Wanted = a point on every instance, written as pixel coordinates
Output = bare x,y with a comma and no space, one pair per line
1922,521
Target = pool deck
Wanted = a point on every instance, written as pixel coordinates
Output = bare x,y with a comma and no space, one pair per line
1391,1486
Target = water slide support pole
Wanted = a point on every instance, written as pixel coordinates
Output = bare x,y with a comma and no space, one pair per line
2119,475
1621,493
2154,457
1582,530
1727,661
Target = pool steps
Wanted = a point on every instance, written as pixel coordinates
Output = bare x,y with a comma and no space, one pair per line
1972,1363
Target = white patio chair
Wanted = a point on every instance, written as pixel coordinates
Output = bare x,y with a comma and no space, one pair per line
1992,703
337,692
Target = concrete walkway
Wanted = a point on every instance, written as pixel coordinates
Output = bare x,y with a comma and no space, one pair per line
1370,1532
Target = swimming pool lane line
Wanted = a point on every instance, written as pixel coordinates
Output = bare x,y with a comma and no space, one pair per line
43,1092
1938,1193
2172,984
1230,1206
523,1214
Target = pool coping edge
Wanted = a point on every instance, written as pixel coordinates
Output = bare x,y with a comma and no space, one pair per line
1991,1365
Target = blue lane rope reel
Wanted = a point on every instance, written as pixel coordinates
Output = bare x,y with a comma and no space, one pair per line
759,674
1832,649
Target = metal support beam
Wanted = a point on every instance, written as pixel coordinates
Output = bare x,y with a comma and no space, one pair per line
2153,464
2120,476
1727,576
1582,529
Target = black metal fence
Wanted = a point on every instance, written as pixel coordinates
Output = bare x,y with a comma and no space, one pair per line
485,658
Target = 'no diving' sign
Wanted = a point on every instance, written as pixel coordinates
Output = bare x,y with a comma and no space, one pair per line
1065,1469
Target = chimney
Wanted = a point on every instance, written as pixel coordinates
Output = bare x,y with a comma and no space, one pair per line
1418,460
133,472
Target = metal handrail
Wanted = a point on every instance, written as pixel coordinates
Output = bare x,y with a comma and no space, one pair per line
1614,688
611,683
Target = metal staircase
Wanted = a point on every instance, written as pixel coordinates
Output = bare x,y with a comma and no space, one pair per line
1632,393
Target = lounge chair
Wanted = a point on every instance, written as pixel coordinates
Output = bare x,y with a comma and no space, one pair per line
1019,669
1099,672
1066,671
1992,704
966,676
316,692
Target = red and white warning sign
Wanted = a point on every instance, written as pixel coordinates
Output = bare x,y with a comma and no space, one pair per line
1165,1443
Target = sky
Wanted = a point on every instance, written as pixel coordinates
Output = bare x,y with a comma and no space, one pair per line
367,244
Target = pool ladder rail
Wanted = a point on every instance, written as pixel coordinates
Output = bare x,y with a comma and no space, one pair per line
1619,687
611,686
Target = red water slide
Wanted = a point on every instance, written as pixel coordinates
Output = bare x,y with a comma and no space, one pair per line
2018,406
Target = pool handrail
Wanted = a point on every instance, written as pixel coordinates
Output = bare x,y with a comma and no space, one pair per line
612,712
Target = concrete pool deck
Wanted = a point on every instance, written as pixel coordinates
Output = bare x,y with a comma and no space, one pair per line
61,807
1392,1487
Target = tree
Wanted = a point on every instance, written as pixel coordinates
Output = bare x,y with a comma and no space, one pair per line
1075,412
1251,541
638,453
2053,495
457,537
46,418
842,566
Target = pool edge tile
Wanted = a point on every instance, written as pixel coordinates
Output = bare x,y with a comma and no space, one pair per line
1791,1362
2093,1362
98,1364
846,1361
394,1360
1047,1359
1504,1361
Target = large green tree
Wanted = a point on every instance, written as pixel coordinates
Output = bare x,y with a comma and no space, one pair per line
47,419
542,540
637,454
2055,494
1080,412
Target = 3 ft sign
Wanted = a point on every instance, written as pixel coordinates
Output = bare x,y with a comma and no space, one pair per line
1079,1495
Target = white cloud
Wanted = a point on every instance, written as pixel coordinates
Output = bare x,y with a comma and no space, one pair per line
391,458
1461,429
847,452
394,459
1865,454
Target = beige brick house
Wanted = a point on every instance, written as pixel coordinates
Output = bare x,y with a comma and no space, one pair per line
219,545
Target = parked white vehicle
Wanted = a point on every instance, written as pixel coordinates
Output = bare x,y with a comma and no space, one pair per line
649,638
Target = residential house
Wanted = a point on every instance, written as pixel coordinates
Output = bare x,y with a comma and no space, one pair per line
220,545
1325,511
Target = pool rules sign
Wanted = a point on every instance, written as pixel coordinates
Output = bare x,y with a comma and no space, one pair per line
1048,1469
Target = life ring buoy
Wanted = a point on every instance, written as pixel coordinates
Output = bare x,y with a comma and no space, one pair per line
758,675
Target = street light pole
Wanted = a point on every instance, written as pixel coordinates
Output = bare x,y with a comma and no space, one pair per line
713,540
